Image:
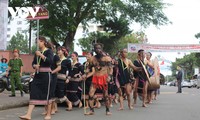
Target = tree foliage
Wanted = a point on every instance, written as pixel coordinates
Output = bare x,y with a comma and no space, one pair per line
197,35
66,15
106,39
20,42
187,63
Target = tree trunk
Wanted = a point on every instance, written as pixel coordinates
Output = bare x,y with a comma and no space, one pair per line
69,40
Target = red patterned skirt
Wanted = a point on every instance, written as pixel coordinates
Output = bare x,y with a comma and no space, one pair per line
100,82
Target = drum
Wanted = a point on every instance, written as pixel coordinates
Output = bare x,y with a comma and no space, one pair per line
154,80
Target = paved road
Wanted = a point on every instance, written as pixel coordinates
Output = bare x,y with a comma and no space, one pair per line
169,106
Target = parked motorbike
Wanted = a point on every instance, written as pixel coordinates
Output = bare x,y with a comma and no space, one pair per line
6,84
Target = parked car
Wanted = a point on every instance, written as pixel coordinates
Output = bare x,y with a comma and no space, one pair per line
186,83
193,82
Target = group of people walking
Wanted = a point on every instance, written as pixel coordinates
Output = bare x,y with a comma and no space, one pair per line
58,79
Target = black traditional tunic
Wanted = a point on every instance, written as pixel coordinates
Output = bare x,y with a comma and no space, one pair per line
123,75
141,75
60,86
40,87
56,62
74,83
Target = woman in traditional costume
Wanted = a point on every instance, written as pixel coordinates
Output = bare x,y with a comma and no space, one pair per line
74,80
40,87
65,64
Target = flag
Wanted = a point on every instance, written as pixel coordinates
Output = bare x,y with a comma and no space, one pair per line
162,63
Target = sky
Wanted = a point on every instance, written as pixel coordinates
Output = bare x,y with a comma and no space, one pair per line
185,18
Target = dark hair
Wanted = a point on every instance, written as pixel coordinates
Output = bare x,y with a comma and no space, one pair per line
100,44
150,54
91,53
75,53
46,43
65,50
4,59
139,51
122,50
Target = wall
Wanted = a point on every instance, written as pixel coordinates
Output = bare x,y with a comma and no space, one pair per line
26,59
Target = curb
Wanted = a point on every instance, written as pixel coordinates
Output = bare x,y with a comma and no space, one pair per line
14,105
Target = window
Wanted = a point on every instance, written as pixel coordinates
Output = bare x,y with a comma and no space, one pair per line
8,35
8,29
19,22
19,29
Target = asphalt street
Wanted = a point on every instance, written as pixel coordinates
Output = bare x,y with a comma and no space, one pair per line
168,106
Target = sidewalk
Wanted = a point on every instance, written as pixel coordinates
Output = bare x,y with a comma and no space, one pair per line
7,102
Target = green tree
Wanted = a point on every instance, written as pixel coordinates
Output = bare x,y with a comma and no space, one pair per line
187,63
19,41
197,35
106,38
66,15
33,49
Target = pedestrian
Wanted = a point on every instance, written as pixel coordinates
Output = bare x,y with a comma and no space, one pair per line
62,80
40,87
89,71
74,81
150,70
102,75
141,77
56,67
179,79
125,82
4,65
15,66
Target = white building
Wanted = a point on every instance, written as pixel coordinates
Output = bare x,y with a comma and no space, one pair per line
3,23
80,33
21,26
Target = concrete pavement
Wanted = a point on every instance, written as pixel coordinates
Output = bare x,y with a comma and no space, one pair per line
7,102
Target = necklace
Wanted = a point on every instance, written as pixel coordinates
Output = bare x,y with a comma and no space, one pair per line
39,58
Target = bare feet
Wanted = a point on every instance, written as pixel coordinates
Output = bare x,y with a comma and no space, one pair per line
53,112
47,117
115,101
69,106
131,107
108,113
144,105
86,107
97,105
80,105
24,117
44,113
119,109
89,113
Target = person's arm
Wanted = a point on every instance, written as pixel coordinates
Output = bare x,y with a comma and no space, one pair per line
7,71
47,57
90,73
133,66
58,68
149,63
